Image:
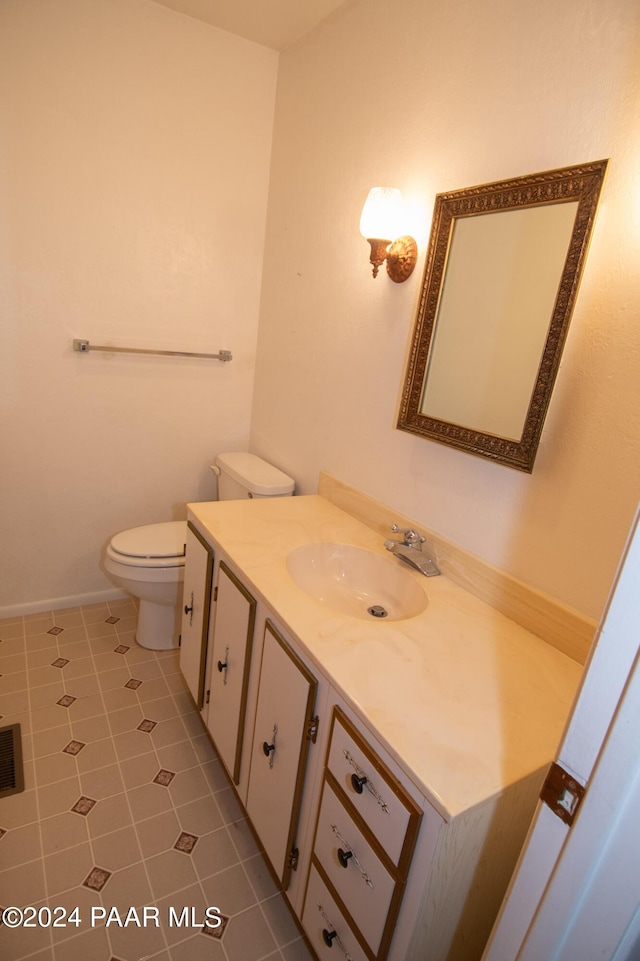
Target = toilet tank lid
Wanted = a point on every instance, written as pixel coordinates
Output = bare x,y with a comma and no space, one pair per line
255,474
152,540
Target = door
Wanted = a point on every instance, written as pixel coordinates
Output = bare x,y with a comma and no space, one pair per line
576,891
231,660
284,723
198,572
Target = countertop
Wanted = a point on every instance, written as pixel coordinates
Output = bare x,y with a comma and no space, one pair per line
466,700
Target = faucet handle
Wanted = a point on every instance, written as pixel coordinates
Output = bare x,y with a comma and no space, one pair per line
410,536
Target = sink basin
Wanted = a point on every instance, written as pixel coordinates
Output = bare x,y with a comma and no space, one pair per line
356,581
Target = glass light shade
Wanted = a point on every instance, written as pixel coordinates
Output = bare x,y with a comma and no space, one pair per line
382,213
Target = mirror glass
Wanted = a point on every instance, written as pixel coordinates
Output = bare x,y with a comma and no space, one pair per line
501,275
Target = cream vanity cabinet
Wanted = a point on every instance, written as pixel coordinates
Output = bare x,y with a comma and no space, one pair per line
198,574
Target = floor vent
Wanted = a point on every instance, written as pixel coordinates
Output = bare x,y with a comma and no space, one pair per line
11,771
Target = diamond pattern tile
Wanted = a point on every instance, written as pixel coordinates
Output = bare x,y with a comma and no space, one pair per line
83,805
164,778
112,836
146,725
96,879
186,842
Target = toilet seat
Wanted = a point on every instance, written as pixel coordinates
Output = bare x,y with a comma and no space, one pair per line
153,545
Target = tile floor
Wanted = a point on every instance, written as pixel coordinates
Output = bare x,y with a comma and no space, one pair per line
126,805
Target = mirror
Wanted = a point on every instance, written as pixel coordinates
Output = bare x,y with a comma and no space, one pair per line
501,277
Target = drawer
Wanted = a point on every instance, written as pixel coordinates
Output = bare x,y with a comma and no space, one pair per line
377,796
359,877
330,935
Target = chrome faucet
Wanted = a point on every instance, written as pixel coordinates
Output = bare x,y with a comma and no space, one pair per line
409,550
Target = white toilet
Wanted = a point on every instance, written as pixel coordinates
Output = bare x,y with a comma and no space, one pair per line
148,562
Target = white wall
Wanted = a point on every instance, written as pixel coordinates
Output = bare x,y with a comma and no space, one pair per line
431,97
134,165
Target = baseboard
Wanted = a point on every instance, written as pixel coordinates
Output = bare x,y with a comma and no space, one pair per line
61,603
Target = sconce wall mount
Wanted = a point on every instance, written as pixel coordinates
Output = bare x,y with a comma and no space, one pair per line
379,222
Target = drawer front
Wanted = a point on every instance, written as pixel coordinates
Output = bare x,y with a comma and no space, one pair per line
374,792
358,875
331,937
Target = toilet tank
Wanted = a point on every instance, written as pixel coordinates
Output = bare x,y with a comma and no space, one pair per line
242,475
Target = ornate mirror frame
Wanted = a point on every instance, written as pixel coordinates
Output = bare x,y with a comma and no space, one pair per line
580,184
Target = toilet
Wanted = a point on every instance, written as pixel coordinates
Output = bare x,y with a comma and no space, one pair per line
148,561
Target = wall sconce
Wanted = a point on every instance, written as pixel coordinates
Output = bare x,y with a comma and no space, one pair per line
379,224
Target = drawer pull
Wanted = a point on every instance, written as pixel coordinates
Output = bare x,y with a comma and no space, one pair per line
329,935
224,666
357,783
269,750
343,857
189,610
360,780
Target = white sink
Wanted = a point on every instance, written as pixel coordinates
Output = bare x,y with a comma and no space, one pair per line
357,582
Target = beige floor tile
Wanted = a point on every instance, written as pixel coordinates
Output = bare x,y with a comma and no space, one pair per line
134,943
139,770
198,948
67,869
108,813
102,783
93,944
22,884
126,719
117,849
66,830
200,816
20,845
19,809
159,833
128,887
247,936
19,943
214,853
176,922
169,872
149,800
59,797
97,754
55,767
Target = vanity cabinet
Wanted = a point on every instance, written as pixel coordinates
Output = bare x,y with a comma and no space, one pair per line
231,649
285,725
198,575
390,771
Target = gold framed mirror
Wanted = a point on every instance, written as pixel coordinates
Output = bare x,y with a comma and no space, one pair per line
501,277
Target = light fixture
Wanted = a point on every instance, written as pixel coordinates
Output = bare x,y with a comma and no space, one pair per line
379,224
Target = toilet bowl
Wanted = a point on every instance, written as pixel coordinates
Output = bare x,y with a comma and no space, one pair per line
148,562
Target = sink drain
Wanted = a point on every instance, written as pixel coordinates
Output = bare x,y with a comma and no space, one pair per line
377,610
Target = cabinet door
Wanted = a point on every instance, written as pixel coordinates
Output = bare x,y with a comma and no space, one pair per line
231,659
284,717
198,572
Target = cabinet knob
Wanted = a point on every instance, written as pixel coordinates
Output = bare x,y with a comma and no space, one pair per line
343,857
267,748
188,609
328,936
222,667
357,783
